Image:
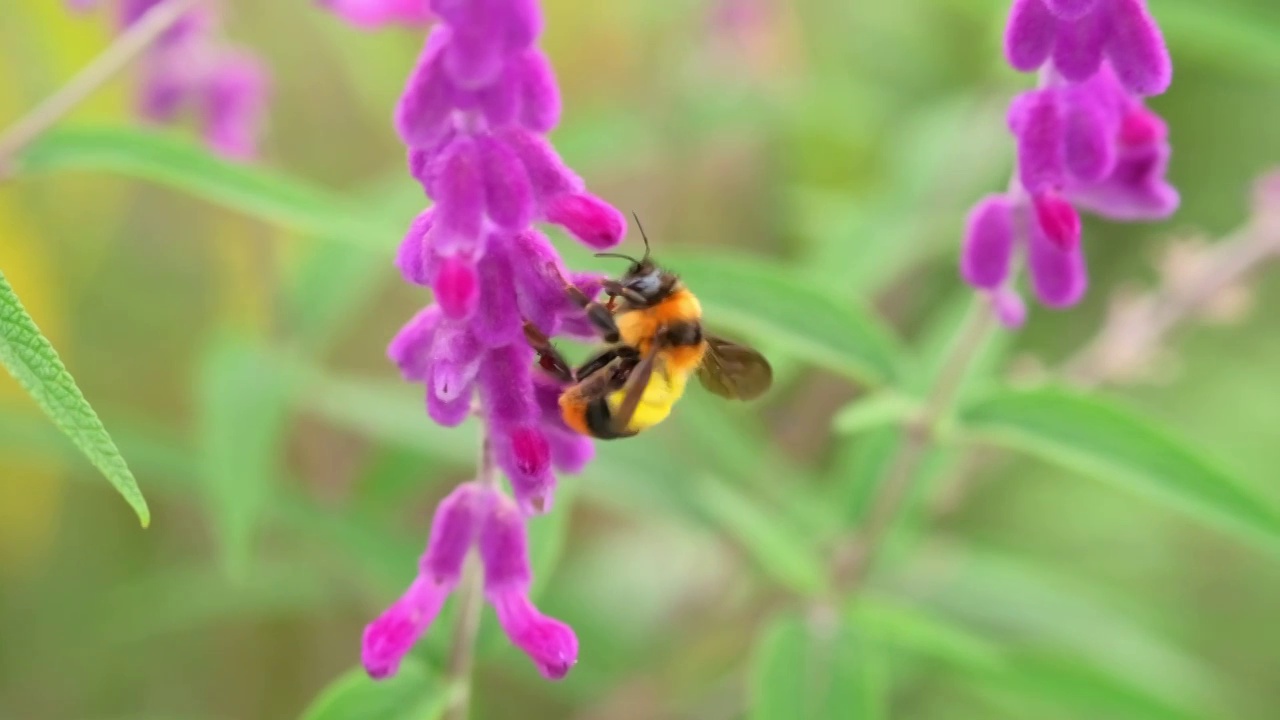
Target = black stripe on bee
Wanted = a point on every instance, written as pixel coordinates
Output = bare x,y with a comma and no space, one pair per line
600,420
683,333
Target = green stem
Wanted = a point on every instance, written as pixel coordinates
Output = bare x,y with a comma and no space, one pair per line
128,45
470,604
855,559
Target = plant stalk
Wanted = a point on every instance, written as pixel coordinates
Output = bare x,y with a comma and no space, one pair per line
470,604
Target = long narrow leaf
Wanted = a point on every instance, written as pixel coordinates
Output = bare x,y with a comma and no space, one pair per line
31,360
1091,435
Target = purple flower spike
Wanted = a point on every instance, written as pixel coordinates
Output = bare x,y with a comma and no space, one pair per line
551,644
988,245
374,14
474,116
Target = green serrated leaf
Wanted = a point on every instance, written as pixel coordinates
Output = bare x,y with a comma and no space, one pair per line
243,404
875,411
1092,435
31,360
814,668
777,548
182,163
760,298
414,693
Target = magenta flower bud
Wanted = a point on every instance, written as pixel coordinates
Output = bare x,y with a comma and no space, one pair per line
504,548
454,528
547,174
423,111
988,244
1142,127
499,101
413,260
497,320
1009,309
524,454
506,386
456,287
1057,273
390,637
1030,36
1136,189
411,348
588,218
1089,141
1077,51
1057,219
551,644
539,96
508,195
374,14
453,410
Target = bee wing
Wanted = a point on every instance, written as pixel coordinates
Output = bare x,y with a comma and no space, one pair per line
637,381
734,371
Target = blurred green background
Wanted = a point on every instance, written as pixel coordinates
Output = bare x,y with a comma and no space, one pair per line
239,362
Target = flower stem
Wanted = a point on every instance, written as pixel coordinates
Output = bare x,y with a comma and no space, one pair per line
130,43
855,558
470,604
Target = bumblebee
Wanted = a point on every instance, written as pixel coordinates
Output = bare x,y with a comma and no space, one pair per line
652,327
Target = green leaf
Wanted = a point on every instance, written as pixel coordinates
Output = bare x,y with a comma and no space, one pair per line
414,693
875,411
185,165
31,360
814,668
917,631
760,298
1088,434
775,546
243,396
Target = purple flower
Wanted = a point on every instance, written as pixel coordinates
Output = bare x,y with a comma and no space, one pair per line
473,517
1084,140
191,66
474,116
1077,34
372,14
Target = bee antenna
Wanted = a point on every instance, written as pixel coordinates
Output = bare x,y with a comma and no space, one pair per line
642,235
628,258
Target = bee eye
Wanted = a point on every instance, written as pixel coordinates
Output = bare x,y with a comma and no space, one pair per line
634,269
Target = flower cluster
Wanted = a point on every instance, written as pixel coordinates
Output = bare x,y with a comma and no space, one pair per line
474,115
1084,140
191,66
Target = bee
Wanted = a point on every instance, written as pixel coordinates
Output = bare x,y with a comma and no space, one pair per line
654,342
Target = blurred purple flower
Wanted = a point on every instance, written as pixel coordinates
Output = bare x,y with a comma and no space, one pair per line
191,66
1084,139
474,116
1077,34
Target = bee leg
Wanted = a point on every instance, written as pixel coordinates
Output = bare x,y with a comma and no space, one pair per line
599,315
602,360
617,289
549,359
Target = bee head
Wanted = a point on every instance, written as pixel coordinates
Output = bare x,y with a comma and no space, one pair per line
643,275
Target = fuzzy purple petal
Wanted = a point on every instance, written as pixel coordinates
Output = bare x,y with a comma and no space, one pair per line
411,348
390,637
547,174
1137,49
413,260
374,14
497,320
1008,306
539,96
452,409
1029,35
988,243
508,194
551,644
570,452
1071,9
594,222
1058,275
1057,220
423,111
460,199
524,454
499,101
1077,52
1089,140
454,528
473,57
1041,163
504,547
506,386
456,286
1136,189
